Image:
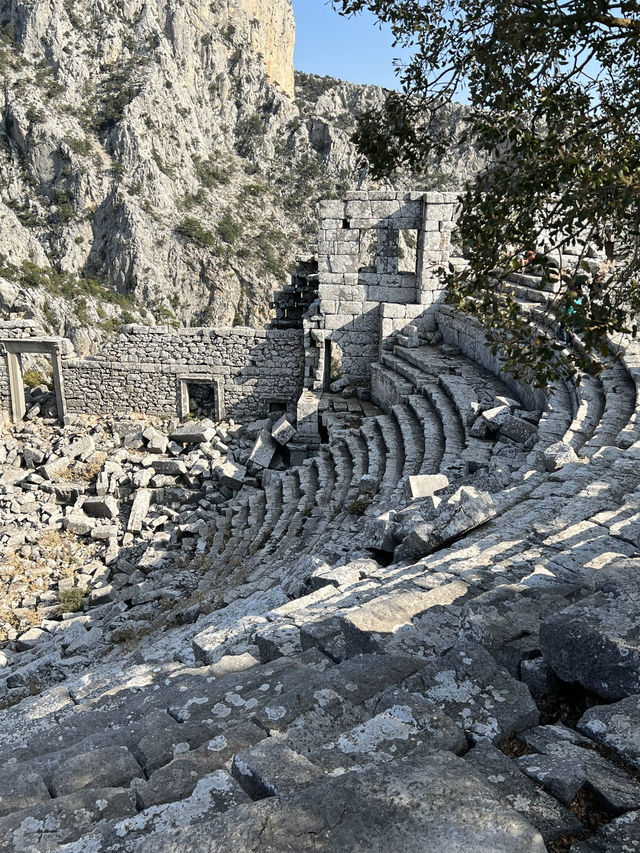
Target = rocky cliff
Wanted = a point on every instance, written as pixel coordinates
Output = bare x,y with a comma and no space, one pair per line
153,164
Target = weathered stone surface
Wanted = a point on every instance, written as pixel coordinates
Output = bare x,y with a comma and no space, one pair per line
100,507
557,455
271,769
404,724
483,699
63,819
597,643
365,627
616,726
423,805
622,834
231,475
21,790
100,768
542,811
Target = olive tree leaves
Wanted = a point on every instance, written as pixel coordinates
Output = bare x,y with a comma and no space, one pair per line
553,94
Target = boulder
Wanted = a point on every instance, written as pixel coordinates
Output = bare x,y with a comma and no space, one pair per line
426,485
596,643
263,451
557,455
139,510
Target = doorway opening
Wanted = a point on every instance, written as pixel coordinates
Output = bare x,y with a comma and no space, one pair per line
201,398
35,384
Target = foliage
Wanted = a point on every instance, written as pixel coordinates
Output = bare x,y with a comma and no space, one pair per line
191,229
70,599
554,105
79,146
33,378
209,173
228,228
359,507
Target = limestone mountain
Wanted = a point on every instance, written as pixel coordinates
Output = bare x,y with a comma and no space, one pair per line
157,162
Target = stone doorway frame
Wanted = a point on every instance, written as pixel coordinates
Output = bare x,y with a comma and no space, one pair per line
183,394
14,349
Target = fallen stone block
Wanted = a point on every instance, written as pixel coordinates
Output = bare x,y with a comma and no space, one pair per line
557,455
156,440
79,524
517,429
263,451
283,430
596,643
169,467
426,485
231,475
494,418
467,509
197,432
84,446
139,510
101,507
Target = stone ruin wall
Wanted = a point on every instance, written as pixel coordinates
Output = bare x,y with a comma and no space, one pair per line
362,303
143,368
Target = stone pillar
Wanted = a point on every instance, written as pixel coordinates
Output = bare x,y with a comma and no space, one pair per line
434,242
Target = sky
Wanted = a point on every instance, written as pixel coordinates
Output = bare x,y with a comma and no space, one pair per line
353,49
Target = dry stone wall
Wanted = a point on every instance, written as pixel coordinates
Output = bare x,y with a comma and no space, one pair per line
147,370
144,368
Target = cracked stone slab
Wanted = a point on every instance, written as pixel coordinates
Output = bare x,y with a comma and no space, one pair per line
403,723
566,761
549,817
271,769
423,805
616,726
470,687
596,643
63,819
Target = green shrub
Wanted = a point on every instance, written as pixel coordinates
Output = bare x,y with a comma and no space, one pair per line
35,115
191,229
32,378
70,600
228,228
79,146
210,174
359,507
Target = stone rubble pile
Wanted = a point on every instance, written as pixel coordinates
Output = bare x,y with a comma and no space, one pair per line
102,524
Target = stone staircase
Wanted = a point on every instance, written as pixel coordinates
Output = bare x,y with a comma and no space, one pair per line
333,700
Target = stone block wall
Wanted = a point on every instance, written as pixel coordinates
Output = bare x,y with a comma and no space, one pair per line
359,264
142,370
